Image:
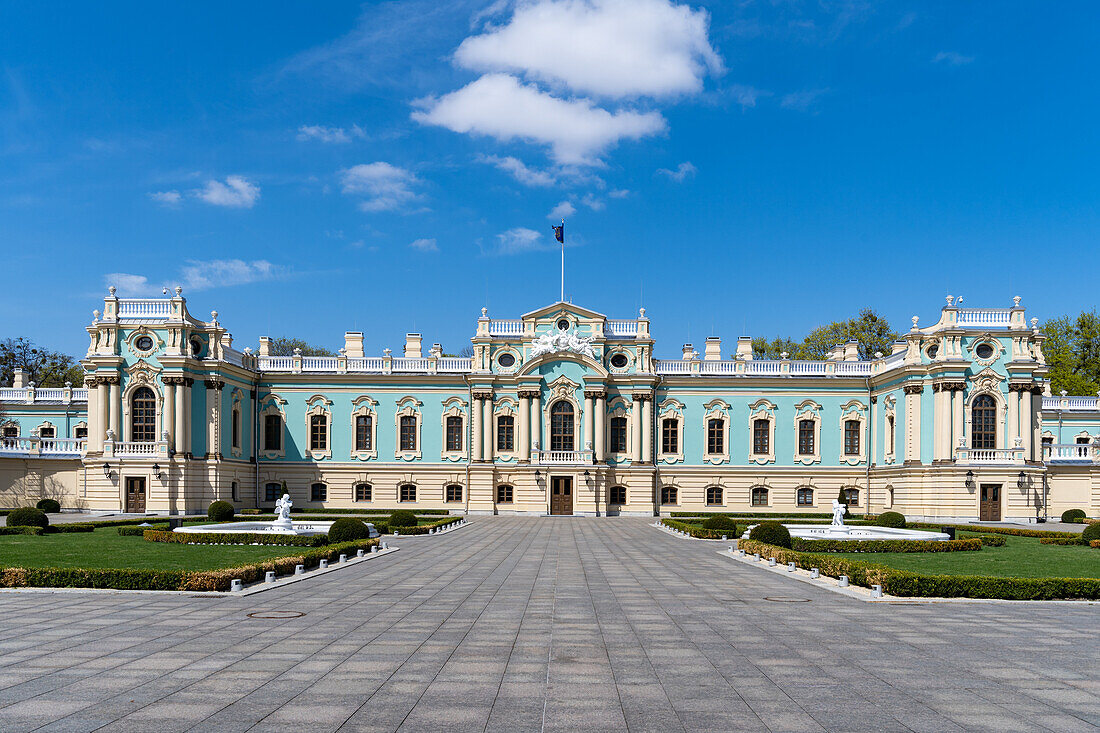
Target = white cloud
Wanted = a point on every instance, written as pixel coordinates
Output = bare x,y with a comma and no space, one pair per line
592,202
198,275
518,240
520,171
951,58
330,134
387,187
167,198
746,96
683,171
562,210
802,100
236,192
610,48
424,245
499,106
618,193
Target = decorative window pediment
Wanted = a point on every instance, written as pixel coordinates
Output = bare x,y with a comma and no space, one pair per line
364,443
408,435
853,411
272,405
716,432
670,423
807,433
319,431
762,431
454,414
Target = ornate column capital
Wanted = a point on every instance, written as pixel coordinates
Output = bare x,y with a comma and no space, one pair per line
642,396
594,394
216,384
482,394
529,393
913,389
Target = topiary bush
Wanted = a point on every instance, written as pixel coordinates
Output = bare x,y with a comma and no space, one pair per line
891,519
402,518
28,517
720,521
771,533
348,529
51,506
1092,532
1072,516
220,511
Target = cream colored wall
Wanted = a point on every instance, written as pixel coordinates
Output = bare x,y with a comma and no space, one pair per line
23,481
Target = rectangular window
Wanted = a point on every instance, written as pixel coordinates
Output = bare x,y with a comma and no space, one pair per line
668,494
11,431
670,435
890,434
504,494
80,433
852,496
716,439
271,492
851,437
714,495
363,428
454,433
761,437
454,492
318,492
618,435
806,437
805,497
46,431
407,492
236,431
318,432
362,492
506,433
273,432
408,432
236,491
617,495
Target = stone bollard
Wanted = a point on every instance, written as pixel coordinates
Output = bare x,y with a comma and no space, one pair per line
771,562
269,576
756,556
876,591
790,567
723,538
385,546
843,581
299,569
374,548
740,553
729,549
815,573
235,585
343,558
359,552
324,565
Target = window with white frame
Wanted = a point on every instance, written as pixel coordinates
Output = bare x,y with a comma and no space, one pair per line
716,436
853,424
561,426
143,416
805,497
363,491
407,423
762,431
668,495
716,442
408,432
618,443
714,496
47,431
272,426
318,433
454,433
671,415
453,492
273,432
319,425
759,496
851,437
364,432
851,496
406,492
506,433
364,425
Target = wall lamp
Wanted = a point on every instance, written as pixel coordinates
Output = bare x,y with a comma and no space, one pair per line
107,470
1021,480
156,471
970,479
538,474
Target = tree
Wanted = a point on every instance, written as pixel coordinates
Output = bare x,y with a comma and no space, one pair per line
286,346
762,348
43,367
1072,350
871,330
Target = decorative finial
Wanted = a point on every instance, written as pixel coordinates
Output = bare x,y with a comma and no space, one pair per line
950,300
1063,392
484,312
69,384
783,354
387,351
164,291
95,316
878,354
343,351
248,351
111,290
179,290
915,319
641,313
1035,325
297,351
1016,301
214,316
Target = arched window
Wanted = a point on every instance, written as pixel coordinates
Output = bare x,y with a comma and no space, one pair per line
984,423
618,435
852,495
504,494
714,495
759,496
561,426
143,416
805,497
271,491
454,492
617,495
363,492
318,492
407,492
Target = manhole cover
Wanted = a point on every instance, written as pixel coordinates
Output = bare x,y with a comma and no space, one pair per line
785,599
276,614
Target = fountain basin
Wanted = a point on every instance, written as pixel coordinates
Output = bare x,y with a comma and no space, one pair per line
833,532
296,528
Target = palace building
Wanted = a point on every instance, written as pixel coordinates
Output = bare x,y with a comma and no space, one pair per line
561,411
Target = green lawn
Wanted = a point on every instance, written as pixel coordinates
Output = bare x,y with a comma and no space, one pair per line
104,548
1021,557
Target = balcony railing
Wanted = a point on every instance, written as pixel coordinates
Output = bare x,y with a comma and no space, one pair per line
46,447
1071,403
365,365
1081,453
133,449
984,317
989,456
43,394
765,368
147,309
622,329
561,457
506,327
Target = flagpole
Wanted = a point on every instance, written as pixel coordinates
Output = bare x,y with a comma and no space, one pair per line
563,262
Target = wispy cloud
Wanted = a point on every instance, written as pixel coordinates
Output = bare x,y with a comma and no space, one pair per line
330,134
618,193
424,245
170,199
683,171
519,170
561,211
237,192
746,95
802,101
592,202
519,240
386,187
952,58
198,275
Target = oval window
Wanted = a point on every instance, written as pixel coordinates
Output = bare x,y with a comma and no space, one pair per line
984,351
563,324
618,360
196,347
506,360
932,351
143,343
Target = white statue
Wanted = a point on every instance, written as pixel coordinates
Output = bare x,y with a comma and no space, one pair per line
282,510
552,343
838,513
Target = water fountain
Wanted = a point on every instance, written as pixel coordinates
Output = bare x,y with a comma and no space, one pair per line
282,524
838,530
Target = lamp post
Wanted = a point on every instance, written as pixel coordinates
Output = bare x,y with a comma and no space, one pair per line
970,480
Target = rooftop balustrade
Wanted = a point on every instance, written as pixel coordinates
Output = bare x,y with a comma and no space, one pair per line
562,457
989,456
30,395
44,447
764,368
365,365
984,317
144,308
1071,403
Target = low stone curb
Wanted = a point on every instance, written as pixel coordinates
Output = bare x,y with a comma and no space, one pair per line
684,536
445,530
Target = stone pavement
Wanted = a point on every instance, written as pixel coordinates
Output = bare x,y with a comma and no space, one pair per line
525,624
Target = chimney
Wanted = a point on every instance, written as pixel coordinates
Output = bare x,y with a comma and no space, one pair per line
265,346
851,351
412,346
744,348
18,379
897,347
837,354
689,352
353,344
713,349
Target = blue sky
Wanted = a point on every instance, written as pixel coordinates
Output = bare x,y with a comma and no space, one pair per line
737,168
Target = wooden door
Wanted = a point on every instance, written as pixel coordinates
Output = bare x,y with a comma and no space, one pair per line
135,495
989,509
561,495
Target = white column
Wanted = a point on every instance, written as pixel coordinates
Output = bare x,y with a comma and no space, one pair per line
487,427
600,443
475,430
1012,430
116,403
941,409
636,430
536,421
524,428
95,418
181,417
647,431
1035,428
957,423
168,422
589,419
105,412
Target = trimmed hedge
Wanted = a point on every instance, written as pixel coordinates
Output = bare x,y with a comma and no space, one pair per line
1092,532
699,532
1063,541
720,521
139,531
762,515
772,533
968,545
364,510
891,519
54,529
28,517
348,529
52,506
1094,543
235,538
220,511
904,583
421,529
993,540
1016,532
74,527
22,530
1073,516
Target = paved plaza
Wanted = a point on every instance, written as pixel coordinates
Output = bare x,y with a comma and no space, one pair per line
528,624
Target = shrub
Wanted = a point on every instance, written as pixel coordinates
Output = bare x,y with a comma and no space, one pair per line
1092,532
720,521
51,506
235,538
21,530
771,533
1073,516
74,527
993,540
348,529
138,530
891,519
220,511
967,545
28,517
402,518
843,499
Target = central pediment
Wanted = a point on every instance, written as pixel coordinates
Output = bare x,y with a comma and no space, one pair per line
560,307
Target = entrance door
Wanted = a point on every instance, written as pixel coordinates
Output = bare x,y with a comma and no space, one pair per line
135,495
989,509
561,495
